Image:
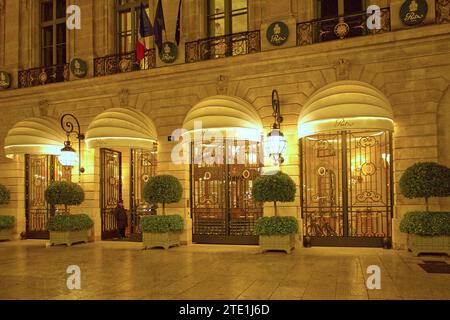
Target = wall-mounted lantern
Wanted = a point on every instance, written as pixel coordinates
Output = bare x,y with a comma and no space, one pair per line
276,142
68,156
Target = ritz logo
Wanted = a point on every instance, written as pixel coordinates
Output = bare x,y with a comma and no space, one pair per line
74,280
73,17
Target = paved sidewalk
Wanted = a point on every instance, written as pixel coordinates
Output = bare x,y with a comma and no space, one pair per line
109,270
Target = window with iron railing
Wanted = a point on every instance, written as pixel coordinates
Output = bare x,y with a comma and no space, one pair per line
227,17
53,32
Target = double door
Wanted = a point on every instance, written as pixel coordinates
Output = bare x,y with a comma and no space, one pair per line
222,205
347,188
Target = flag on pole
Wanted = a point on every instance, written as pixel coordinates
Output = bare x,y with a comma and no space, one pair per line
178,30
145,30
159,25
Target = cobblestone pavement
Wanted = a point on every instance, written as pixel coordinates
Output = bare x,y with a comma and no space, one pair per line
29,270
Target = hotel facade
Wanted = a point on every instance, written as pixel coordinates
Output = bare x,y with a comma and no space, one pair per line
363,96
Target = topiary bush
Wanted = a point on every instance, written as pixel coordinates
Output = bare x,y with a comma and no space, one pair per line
163,189
4,195
426,223
66,223
7,222
425,180
273,188
64,193
162,224
281,226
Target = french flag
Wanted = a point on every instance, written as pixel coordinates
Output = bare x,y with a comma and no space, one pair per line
145,30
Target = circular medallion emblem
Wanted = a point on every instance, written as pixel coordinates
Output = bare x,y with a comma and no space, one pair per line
78,68
246,174
277,33
43,77
124,65
5,80
169,52
413,12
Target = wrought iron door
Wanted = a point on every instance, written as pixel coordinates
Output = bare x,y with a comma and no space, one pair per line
346,189
111,191
40,171
143,167
222,206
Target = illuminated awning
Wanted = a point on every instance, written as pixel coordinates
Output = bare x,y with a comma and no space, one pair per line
232,115
42,135
345,105
121,127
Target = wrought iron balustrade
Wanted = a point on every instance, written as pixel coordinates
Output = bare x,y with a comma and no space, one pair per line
442,11
223,46
354,25
123,62
43,75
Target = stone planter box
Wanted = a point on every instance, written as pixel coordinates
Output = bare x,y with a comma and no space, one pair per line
162,240
68,238
426,244
280,243
6,234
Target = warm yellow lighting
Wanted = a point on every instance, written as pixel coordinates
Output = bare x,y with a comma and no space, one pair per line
275,145
68,158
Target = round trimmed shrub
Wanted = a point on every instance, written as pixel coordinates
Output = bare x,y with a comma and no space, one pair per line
64,193
7,222
425,180
274,188
4,195
163,189
281,226
426,223
66,223
162,224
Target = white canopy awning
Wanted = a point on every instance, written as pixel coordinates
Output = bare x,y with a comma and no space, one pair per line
232,115
345,105
42,135
121,127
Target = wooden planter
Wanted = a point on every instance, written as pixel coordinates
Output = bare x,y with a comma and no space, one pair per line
6,234
426,244
164,240
68,238
280,243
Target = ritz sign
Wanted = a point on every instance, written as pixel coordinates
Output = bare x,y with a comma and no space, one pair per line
413,12
277,33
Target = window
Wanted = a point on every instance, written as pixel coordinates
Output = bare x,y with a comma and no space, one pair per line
333,8
53,32
128,24
227,17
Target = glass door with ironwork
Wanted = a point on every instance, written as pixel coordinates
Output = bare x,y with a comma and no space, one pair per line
40,171
222,206
347,189
111,191
143,167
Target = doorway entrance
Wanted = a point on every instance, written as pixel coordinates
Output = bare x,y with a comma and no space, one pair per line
347,188
40,172
222,206
111,191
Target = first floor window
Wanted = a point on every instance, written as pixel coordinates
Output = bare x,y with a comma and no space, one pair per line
128,24
227,17
53,32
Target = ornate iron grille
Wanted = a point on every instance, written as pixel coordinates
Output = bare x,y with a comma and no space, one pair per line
43,75
222,205
121,63
143,167
40,171
341,27
346,189
223,46
111,191
442,11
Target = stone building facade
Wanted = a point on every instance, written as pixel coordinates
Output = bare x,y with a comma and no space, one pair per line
408,67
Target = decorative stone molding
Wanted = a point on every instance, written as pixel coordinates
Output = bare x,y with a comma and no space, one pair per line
124,97
342,67
222,84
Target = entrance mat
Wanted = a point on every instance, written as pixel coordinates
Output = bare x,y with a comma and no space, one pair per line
436,267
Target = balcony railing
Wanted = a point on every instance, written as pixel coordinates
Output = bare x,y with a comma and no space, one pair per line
223,46
442,11
321,30
125,62
43,75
